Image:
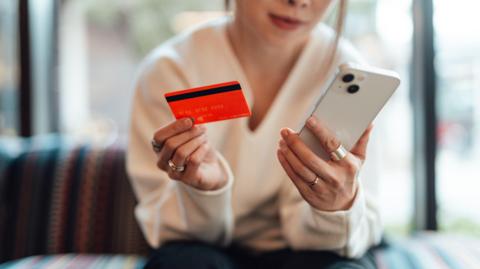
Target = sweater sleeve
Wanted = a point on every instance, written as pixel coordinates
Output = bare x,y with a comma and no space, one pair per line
169,209
349,233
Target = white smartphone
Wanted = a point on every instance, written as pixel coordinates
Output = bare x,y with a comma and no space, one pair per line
352,101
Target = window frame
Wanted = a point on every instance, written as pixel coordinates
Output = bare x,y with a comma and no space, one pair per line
37,115
423,91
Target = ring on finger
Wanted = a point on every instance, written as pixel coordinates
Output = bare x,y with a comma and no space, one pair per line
176,168
156,146
339,153
313,182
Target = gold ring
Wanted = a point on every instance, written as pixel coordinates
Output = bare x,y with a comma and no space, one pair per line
314,182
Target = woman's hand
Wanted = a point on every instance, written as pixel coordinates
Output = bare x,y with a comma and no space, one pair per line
336,186
186,145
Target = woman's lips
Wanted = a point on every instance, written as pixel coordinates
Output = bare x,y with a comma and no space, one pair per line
285,23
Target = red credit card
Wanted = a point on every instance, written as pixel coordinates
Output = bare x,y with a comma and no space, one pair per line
209,103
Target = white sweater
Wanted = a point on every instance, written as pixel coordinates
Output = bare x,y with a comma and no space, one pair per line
260,207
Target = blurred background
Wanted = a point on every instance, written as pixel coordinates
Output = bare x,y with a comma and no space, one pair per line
68,66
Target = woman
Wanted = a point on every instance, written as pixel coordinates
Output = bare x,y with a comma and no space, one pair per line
248,193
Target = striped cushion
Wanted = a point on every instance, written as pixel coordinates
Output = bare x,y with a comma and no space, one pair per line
430,250
424,251
72,261
65,198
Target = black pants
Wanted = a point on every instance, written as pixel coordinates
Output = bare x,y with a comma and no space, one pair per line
183,255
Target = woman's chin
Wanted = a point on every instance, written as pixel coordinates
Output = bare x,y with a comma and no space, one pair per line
285,40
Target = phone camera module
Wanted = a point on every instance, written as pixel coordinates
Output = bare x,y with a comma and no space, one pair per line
348,78
353,88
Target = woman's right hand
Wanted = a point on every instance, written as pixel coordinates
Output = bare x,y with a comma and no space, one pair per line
186,145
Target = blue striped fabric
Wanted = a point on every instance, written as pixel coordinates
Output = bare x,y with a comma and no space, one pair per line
73,261
423,251
431,250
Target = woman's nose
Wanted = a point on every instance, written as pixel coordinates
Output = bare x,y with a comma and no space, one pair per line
300,3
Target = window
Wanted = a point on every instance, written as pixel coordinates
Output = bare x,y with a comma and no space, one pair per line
458,109
382,31
101,45
8,68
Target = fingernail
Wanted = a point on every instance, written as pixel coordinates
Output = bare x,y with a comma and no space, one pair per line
285,133
191,119
311,122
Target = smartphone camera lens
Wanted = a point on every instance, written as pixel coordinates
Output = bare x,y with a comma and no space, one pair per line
353,88
348,78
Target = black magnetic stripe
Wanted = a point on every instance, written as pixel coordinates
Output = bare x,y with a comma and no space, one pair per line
204,92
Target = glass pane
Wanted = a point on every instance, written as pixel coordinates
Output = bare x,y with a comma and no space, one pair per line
382,31
458,108
8,68
101,45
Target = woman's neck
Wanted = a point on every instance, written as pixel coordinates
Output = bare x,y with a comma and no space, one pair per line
259,57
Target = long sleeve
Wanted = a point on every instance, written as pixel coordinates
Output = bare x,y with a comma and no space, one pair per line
169,209
349,233
261,203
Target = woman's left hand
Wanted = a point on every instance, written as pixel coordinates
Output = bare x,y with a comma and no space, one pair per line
336,186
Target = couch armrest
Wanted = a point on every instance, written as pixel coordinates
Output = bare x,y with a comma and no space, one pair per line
10,148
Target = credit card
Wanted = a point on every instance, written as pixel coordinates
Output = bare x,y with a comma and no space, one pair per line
209,103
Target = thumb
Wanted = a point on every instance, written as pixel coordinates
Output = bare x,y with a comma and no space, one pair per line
360,148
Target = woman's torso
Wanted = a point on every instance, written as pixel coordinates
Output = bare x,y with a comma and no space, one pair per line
204,56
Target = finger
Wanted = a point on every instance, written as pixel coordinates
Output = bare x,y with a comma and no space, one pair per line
172,129
171,144
196,158
297,181
314,182
175,175
194,161
308,176
307,156
327,139
184,151
297,166
360,148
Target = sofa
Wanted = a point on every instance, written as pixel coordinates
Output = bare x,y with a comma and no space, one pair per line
58,196
68,204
